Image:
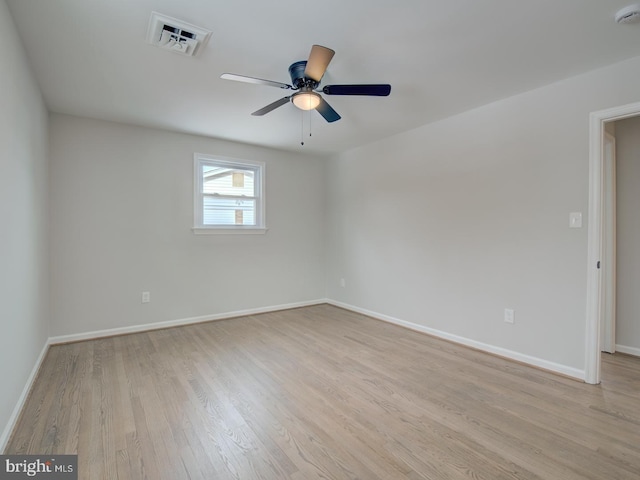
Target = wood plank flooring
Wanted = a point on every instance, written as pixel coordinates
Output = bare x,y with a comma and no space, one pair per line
323,393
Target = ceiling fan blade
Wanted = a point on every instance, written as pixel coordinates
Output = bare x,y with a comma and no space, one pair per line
319,59
379,90
329,114
259,81
271,106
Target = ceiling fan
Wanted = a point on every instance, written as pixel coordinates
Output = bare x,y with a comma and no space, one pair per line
305,78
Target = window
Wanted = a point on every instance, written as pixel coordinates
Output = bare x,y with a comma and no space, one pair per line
229,195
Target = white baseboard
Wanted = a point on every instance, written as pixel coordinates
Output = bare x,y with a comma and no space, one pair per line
77,337
499,351
628,350
13,419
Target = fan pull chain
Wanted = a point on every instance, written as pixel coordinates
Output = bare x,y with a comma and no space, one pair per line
302,126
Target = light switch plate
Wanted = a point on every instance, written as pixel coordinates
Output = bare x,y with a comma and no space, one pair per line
575,220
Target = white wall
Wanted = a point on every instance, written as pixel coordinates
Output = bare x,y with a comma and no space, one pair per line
628,235
121,218
23,220
446,225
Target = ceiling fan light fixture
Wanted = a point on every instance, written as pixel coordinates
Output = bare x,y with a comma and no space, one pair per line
306,100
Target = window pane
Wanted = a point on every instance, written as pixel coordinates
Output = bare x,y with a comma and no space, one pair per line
228,181
228,193
226,211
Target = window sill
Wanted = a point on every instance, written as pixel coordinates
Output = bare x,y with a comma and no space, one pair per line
229,230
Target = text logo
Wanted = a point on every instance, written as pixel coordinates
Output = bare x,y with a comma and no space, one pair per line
43,467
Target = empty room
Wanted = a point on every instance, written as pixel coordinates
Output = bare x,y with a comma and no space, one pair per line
352,239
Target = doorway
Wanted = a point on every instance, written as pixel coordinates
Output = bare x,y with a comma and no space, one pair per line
596,292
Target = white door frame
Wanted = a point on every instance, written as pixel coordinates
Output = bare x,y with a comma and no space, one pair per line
595,232
608,262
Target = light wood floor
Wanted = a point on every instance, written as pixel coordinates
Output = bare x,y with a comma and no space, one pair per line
322,393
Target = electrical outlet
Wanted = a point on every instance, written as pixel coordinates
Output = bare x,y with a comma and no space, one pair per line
509,315
146,297
343,282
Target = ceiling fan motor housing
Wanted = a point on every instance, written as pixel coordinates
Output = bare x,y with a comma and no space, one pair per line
298,80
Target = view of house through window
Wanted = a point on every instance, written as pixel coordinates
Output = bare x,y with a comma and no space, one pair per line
229,196
229,193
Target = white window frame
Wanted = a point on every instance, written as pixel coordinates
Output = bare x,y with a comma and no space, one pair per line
200,159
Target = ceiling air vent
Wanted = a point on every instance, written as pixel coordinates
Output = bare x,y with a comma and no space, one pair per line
175,35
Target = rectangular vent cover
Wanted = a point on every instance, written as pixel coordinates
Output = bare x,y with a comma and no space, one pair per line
175,35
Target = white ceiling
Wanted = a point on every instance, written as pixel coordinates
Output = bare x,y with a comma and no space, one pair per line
441,57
